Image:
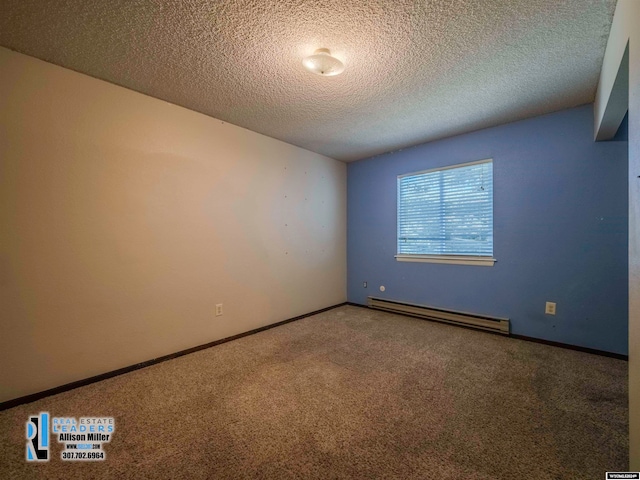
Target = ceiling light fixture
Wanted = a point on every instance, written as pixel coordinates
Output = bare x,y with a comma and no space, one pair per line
322,63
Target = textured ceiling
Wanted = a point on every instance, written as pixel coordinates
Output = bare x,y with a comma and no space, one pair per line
415,70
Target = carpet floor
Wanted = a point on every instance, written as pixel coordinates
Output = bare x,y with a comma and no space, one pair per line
350,393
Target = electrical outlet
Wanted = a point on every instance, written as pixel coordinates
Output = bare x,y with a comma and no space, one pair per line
550,308
364,284
218,309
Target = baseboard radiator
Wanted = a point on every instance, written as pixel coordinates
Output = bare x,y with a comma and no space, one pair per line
482,322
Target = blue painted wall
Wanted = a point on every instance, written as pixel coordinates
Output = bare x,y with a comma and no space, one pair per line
623,130
560,231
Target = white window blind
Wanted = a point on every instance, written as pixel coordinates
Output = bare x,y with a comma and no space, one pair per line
447,211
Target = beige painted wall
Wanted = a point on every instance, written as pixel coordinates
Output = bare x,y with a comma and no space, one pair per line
125,219
634,235
626,29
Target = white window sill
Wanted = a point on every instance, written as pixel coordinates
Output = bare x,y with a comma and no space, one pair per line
451,259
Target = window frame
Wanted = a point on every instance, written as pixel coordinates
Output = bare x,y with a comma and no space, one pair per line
479,260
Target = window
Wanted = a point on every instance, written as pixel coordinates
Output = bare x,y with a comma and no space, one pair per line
445,215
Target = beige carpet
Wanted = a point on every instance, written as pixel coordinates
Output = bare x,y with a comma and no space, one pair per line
350,393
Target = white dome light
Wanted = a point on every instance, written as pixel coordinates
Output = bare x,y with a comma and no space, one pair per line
322,63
